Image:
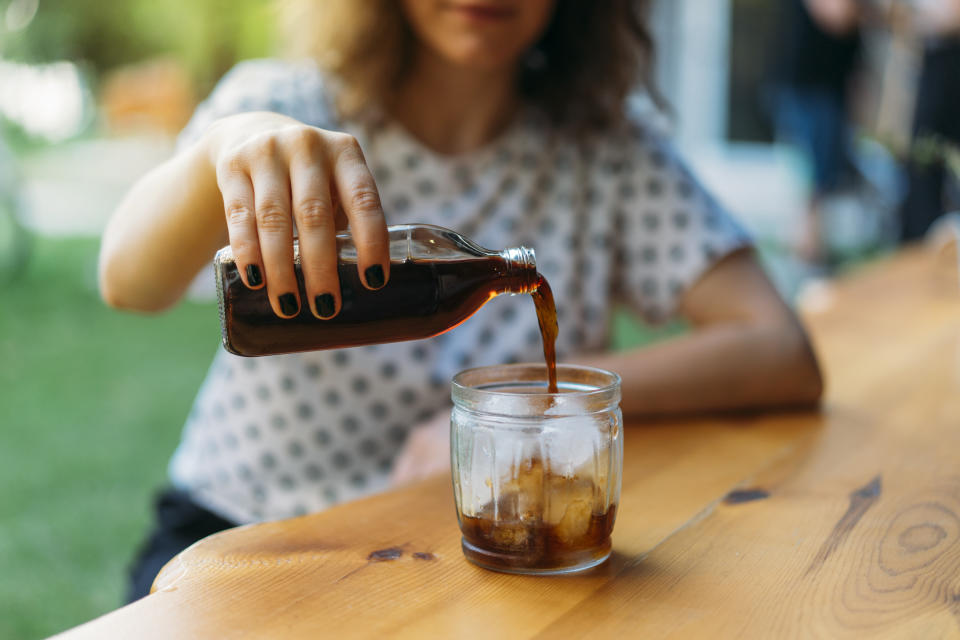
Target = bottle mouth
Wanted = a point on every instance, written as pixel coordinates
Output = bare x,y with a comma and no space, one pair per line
523,262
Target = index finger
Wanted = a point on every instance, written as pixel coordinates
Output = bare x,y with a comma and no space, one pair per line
361,202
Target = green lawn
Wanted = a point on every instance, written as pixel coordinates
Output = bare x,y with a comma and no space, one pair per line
91,405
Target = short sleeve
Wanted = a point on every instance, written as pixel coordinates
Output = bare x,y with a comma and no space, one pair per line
296,89
669,230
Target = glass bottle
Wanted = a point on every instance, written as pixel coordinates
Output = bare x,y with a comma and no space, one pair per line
438,279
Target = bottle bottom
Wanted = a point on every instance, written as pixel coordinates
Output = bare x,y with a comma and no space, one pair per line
571,562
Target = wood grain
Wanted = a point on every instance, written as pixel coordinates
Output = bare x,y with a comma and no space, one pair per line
843,523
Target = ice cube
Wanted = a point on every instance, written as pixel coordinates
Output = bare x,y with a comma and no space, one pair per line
575,523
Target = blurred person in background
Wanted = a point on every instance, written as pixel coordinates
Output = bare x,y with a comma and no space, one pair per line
504,119
818,52
936,118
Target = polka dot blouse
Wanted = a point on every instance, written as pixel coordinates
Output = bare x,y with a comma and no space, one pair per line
615,219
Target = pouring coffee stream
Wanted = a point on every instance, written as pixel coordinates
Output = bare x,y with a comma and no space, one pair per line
549,329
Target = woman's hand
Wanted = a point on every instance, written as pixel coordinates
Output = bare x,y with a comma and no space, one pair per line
426,452
271,171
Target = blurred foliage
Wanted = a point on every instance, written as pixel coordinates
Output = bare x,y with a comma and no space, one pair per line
206,36
18,141
934,149
15,241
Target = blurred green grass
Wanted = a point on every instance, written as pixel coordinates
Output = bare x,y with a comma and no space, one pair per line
91,406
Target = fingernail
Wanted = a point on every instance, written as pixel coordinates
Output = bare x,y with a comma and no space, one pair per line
326,305
288,304
253,275
374,276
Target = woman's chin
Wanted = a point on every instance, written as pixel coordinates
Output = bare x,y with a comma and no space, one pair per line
481,60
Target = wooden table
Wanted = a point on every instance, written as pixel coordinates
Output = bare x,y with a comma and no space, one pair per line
844,523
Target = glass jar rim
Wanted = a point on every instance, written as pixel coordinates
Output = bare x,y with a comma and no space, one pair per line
583,390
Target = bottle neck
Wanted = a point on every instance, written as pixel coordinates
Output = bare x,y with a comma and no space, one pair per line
521,269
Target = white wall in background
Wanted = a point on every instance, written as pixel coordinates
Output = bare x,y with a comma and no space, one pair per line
693,49
765,186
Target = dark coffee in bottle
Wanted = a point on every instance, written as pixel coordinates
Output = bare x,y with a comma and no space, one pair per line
438,279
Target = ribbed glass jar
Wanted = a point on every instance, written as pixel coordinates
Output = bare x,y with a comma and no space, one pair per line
536,475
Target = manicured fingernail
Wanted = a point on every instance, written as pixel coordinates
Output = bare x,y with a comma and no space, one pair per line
326,305
374,276
288,304
253,275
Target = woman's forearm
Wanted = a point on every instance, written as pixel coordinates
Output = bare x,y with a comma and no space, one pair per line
726,366
166,228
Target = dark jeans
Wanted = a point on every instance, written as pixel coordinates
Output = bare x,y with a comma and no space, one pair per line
179,522
814,120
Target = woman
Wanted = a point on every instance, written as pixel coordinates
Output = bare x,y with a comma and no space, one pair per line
504,119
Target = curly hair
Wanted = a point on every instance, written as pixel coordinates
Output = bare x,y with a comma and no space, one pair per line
580,71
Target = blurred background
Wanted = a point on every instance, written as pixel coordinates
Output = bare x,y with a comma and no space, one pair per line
821,129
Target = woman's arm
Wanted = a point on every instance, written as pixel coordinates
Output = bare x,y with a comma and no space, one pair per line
748,350
166,228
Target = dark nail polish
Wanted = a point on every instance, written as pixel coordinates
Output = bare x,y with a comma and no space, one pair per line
288,304
374,276
253,275
326,305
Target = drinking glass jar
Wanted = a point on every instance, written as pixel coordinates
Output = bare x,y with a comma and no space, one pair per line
536,475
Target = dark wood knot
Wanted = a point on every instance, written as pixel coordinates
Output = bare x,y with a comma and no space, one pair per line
740,496
384,555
